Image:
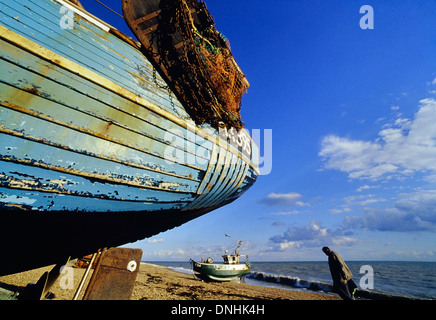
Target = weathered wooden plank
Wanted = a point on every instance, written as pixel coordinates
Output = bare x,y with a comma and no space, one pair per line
130,69
231,180
75,68
209,171
238,177
121,111
38,201
61,161
39,106
219,183
228,183
42,22
101,150
24,177
49,133
96,186
243,185
40,26
66,96
216,169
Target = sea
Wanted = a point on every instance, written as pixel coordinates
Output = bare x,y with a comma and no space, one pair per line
375,279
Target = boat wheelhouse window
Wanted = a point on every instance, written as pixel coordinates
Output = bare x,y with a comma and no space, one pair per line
233,259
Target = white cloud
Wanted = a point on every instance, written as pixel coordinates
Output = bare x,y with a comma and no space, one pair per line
288,245
402,149
412,212
363,200
164,254
337,241
370,201
155,240
337,211
286,213
284,199
366,187
311,235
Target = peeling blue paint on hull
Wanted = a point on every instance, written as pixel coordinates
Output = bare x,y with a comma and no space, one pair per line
94,151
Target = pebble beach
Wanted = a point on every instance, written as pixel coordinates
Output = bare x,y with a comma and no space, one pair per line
155,282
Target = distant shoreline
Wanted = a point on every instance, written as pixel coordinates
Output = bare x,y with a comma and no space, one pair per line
174,285
159,282
155,282
281,281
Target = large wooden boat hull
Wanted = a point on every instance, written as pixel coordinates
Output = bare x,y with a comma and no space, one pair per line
95,151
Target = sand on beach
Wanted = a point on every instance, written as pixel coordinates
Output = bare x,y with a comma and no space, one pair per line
160,283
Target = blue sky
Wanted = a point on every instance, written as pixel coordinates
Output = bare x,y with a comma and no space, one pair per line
352,113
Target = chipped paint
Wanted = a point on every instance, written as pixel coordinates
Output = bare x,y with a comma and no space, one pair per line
169,185
106,83
13,199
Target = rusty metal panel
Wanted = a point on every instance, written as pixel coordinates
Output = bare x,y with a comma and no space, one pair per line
115,275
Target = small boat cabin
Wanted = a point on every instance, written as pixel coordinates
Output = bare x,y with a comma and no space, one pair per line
231,259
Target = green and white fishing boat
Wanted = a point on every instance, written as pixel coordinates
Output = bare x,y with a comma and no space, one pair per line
230,270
